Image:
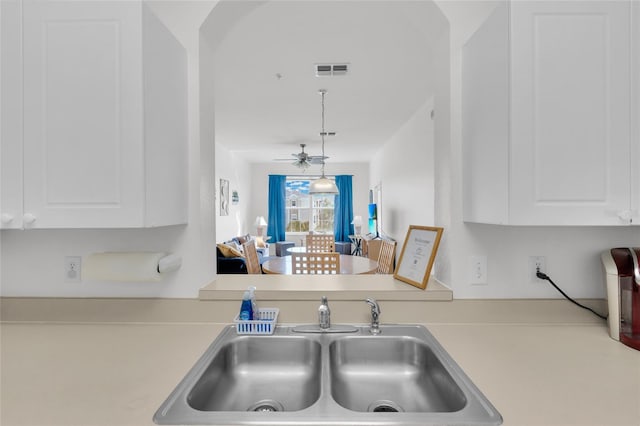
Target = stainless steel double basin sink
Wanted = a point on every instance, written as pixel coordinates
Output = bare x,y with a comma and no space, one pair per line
399,377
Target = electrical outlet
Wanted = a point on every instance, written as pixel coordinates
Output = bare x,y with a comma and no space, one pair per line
536,263
72,269
477,269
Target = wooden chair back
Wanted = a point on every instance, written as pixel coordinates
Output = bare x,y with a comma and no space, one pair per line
386,257
321,243
251,257
315,263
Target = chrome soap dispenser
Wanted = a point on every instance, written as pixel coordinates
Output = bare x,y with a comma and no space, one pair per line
324,314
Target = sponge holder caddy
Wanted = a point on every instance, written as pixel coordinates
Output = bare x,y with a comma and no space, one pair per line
264,324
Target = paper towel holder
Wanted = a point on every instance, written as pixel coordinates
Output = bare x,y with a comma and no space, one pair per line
169,263
130,266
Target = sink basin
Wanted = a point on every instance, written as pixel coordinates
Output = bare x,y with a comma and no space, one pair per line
391,374
242,374
400,377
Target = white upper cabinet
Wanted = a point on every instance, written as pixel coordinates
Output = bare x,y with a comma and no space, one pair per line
103,114
546,116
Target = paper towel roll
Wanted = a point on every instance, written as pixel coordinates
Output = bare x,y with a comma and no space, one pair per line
129,266
169,263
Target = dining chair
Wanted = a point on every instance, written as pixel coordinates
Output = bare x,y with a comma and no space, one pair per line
315,263
386,257
321,243
251,257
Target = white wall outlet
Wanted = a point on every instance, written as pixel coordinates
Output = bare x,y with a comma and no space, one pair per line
72,269
536,263
478,270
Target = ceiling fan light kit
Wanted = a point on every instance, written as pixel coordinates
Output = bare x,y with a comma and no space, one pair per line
303,160
324,185
304,165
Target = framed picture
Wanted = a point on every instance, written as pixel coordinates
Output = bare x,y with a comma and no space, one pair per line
418,254
224,197
377,198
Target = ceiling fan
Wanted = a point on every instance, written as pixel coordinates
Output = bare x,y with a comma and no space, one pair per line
303,160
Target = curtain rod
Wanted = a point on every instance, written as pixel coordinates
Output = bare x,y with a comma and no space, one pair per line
312,176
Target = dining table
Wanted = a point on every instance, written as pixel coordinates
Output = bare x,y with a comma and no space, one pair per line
350,265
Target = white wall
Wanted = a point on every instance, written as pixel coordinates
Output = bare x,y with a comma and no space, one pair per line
236,170
404,168
572,252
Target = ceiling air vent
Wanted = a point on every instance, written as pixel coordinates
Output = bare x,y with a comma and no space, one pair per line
330,70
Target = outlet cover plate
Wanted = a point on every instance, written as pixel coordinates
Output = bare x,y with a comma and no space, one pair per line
478,270
72,269
536,262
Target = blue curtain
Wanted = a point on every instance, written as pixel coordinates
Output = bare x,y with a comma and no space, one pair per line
276,223
343,208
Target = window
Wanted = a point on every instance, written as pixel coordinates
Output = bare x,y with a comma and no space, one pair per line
305,212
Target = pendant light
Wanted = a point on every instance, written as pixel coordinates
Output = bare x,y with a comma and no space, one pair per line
323,185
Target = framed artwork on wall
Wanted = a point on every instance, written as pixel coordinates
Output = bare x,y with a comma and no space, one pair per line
418,254
377,199
224,197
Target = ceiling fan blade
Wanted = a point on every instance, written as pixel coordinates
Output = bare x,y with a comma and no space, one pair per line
317,159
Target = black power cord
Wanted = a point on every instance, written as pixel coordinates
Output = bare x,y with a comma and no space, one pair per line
544,276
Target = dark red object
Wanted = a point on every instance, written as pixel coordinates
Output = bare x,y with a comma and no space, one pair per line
628,264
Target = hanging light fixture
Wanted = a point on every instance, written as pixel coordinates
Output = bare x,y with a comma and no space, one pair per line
323,185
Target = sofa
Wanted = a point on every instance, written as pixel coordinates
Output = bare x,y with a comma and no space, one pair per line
229,256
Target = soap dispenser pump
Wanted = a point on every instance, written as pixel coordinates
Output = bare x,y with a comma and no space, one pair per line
246,310
324,314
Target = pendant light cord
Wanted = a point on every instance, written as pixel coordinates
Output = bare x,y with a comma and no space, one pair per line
323,185
322,92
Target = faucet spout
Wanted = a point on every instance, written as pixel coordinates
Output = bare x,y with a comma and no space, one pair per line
375,316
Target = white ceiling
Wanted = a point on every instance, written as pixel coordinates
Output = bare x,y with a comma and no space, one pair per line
267,100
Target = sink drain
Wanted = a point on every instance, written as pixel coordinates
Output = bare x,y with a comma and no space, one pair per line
384,406
266,406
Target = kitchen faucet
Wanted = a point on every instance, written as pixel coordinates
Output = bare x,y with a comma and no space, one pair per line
375,316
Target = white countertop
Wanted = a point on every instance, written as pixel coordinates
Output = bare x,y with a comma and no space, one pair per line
567,372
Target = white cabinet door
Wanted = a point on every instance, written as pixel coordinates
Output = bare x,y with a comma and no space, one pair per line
485,121
82,114
10,115
557,148
570,142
